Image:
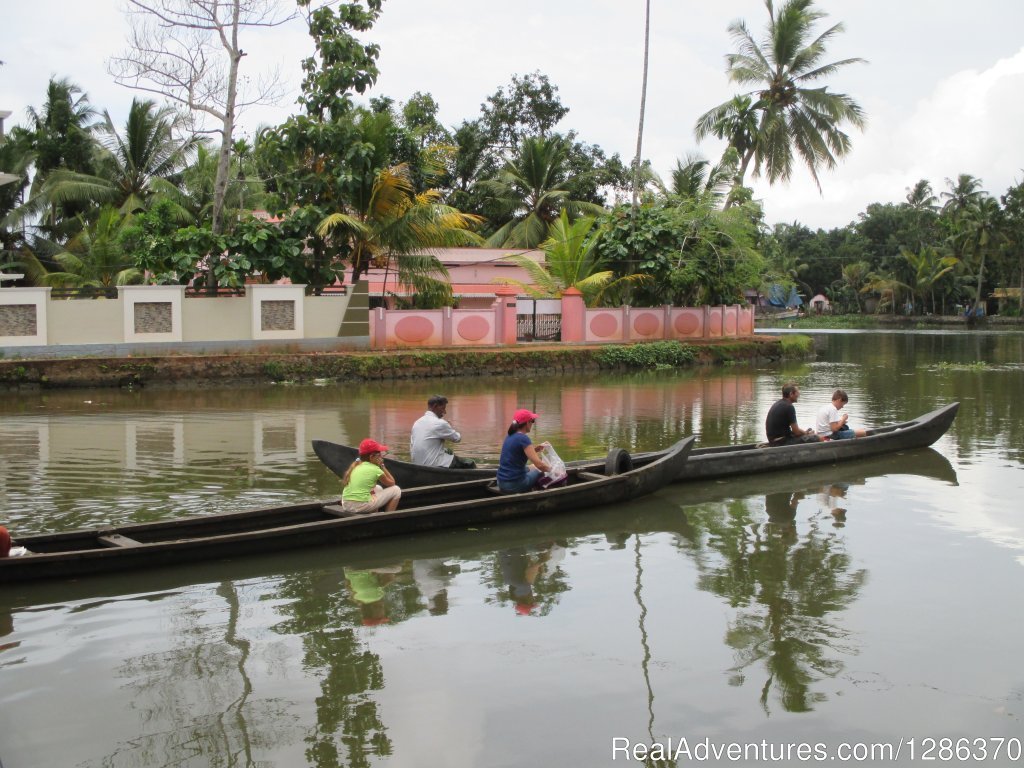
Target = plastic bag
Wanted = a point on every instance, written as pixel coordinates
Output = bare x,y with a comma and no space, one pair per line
557,475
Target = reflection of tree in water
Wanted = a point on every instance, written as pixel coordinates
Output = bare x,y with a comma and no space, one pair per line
349,730
786,588
197,693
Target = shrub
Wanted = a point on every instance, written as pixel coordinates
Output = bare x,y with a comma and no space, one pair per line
655,354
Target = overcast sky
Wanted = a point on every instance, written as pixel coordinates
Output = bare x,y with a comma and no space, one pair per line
943,88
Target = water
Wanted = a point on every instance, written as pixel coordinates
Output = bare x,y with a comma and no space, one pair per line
859,604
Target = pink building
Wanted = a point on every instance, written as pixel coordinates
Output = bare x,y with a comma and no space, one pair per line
474,274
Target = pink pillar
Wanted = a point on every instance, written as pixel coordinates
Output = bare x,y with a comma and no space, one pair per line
378,328
574,315
505,315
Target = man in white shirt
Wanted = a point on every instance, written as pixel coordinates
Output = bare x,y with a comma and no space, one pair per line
429,433
832,424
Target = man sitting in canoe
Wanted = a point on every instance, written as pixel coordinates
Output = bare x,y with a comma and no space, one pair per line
781,426
832,424
429,432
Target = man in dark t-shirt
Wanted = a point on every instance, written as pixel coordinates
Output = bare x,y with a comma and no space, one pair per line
780,424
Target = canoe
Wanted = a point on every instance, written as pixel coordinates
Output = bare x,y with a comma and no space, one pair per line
455,504
704,463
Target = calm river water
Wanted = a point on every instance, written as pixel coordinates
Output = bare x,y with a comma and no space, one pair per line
859,605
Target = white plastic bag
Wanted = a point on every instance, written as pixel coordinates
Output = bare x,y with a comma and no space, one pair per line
558,474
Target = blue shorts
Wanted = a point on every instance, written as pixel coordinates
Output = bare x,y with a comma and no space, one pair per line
843,434
520,486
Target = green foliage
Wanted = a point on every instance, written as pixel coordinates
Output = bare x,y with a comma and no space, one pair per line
976,367
571,260
319,161
792,117
530,107
530,191
655,354
693,252
796,345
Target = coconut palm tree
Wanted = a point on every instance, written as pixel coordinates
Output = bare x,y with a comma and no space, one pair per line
94,258
530,191
396,226
643,104
145,160
793,118
694,177
928,266
920,197
736,122
571,260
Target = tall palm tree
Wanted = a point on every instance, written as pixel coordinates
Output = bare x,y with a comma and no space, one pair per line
145,160
920,197
735,121
792,116
398,225
643,104
531,190
973,218
571,260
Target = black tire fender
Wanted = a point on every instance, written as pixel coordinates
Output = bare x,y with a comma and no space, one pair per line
618,461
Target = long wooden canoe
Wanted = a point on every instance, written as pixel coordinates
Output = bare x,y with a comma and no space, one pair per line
454,504
704,463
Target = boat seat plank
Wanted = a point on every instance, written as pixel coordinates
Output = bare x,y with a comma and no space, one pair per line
590,476
337,511
117,540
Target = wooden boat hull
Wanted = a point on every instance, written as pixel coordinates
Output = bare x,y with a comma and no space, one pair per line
704,463
456,504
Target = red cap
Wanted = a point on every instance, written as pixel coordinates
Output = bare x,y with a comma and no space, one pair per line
369,446
368,622
5,542
522,416
525,609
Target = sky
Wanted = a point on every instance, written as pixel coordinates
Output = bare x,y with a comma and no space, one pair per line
942,87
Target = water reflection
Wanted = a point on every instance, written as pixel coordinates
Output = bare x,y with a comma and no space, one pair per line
293,666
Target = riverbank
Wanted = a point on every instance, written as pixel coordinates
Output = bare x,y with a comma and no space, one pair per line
817,322
293,366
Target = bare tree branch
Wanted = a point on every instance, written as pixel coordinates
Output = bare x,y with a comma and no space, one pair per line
189,52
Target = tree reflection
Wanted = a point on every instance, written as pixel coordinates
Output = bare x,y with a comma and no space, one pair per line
786,587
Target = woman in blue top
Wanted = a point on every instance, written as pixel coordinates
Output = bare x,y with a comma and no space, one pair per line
516,451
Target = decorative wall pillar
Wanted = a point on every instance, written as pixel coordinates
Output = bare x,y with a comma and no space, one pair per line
23,317
505,314
277,311
574,315
152,312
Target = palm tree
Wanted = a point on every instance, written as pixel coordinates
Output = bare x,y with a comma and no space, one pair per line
736,122
94,258
531,190
791,116
921,198
974,220
397,224
571,260
643,104
854,277
147,159
929,266
694,177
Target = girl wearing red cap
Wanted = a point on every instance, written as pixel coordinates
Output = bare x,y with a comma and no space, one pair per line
368,484
516,451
